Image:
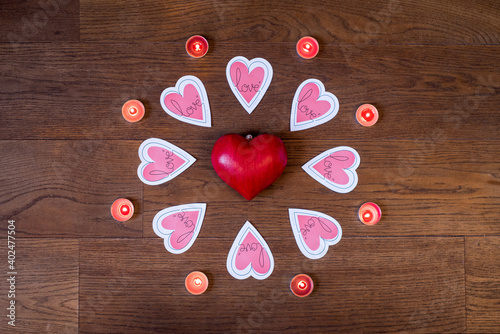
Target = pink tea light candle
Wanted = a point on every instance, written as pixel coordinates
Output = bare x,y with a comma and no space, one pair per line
133,111
307,47
197,46
367,115
122,209
196,282
302,285
369,213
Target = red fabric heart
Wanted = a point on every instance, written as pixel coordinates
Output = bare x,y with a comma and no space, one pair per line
249,166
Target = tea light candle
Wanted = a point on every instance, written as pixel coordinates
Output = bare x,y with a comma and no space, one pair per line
367,115
133,111
302,285
122,209
197,46
369,213
196,282
307,47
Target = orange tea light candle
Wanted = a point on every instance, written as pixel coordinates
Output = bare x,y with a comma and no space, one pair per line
367,115
197,46
302,285
196,282
369,213
307,47
122,209
133,111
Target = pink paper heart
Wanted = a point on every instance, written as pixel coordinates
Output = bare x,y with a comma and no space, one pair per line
187,102
314,232
250,255
187,105
313,228
164,163
247,83
332,167
252,252
308,105
179,226
183,225
312,105
161,161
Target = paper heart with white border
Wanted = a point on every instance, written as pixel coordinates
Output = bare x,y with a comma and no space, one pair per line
312,105
179,226
250,255
335,169
161,161
314,232
249,80
187,101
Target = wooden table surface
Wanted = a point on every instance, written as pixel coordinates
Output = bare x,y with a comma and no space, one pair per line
432,162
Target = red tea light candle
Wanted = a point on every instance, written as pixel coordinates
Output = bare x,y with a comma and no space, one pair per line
196,282
302,285
369,213
307,47
197,46
133,111
122,209
367,115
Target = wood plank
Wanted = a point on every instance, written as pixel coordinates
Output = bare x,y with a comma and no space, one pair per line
33,21
368,284
75,91
46,286
58,188
423,188
374,22
483,284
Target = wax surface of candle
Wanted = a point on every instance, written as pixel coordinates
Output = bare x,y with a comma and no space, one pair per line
367,216
367,115
197,46
301,285
196,283
122,209
307,47
370,213
133,111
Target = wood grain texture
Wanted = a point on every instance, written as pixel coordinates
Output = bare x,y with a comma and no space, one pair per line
374,22
483,284
58,188
421,91
423,188
33,21
368,285
46,289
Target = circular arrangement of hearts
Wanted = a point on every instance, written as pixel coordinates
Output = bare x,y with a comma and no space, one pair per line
248,165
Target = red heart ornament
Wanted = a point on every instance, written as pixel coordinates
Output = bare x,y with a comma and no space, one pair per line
249,165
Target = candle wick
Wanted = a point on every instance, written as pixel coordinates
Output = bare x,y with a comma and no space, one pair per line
124,209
